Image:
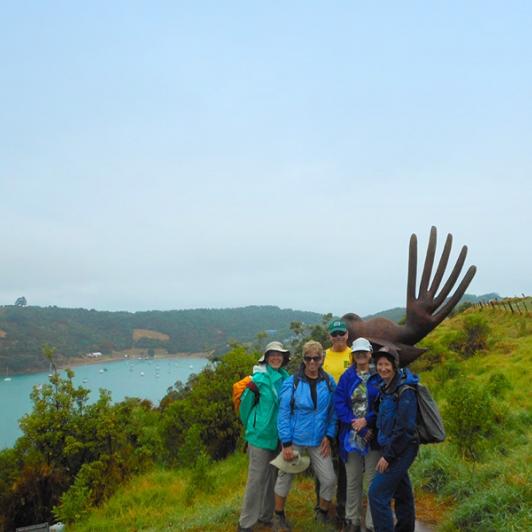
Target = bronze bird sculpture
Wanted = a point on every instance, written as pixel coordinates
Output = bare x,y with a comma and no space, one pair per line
424,310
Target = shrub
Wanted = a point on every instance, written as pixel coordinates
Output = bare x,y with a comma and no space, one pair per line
498,385
206,402
474,335
200,480
75,503
469,417
447,371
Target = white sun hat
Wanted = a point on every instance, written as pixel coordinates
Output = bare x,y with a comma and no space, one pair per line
297,465
361,344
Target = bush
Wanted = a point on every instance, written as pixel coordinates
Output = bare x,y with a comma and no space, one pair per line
470,417
498,385
75,503
447,371
200,480
206,402
474,335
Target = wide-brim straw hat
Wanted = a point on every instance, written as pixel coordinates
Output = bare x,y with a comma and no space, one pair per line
297,465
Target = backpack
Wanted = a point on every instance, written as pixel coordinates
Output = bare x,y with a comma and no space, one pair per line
297,378
429,422
238,390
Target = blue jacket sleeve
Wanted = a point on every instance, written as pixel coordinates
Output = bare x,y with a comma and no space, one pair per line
404,429
283,418
342,401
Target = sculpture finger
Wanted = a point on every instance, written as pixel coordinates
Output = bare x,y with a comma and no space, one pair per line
452,301
412,270
429,262
442,265
448,286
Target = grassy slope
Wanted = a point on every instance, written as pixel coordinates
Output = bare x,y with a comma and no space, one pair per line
460,495
490,493
157,501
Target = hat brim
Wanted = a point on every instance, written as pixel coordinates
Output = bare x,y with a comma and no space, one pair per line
298,465
283,351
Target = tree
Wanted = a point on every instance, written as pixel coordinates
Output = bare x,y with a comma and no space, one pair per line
21,302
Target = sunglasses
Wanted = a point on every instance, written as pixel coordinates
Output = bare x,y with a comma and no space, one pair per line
337,333
311,359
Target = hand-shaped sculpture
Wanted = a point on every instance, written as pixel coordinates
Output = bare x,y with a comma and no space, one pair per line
424,312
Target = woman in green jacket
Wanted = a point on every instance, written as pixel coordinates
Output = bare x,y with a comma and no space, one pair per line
259,405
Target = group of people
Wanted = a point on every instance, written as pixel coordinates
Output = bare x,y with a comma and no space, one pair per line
352,412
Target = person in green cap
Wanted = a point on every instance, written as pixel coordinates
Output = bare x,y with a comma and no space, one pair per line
259,407
337,359
338,356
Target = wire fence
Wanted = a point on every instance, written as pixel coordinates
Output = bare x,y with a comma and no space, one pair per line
515,305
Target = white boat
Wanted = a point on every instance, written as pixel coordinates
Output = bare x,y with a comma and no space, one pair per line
142,374
191,366
7,378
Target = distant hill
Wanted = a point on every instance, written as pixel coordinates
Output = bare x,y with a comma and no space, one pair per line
75,332
397,313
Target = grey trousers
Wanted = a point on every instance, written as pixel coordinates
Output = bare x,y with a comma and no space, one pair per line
259,500
323,469
357,469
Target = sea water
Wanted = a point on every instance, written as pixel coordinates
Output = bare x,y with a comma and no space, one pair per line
146,379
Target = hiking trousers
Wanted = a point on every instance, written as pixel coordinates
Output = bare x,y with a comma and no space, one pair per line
359,468
323,469
259,500
394,483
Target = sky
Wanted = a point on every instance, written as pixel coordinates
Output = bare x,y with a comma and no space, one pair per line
173,155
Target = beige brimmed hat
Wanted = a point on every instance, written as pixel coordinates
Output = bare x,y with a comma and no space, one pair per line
274,346
297,465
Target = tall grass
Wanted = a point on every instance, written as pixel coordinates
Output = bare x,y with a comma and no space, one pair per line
482,472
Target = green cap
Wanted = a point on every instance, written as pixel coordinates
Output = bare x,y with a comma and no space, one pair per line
336,325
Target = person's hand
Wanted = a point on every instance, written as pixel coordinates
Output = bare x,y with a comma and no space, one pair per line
359,423
325,447
382,465
288,453
368,436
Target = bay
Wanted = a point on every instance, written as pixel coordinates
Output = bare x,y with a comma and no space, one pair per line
146,379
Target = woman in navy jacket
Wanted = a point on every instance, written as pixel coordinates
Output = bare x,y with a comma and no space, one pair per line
355,396
397,437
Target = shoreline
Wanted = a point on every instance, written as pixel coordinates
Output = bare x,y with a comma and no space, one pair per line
75,362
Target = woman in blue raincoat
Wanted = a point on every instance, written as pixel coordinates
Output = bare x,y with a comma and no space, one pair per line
399,443
355,395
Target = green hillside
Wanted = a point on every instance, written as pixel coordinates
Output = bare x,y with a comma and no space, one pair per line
478,368
76,332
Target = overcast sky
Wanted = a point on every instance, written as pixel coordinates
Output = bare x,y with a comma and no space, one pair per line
170,155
